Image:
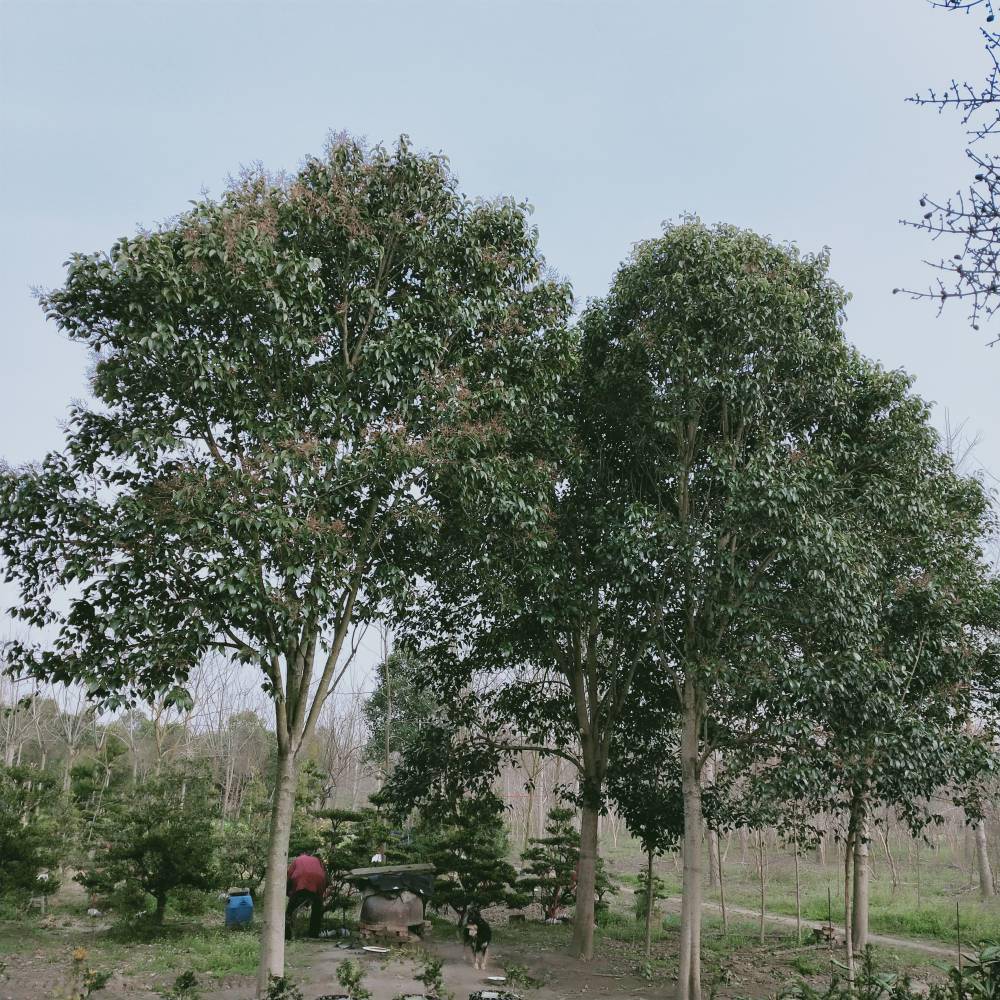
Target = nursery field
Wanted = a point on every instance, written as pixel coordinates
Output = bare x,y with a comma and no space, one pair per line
42,955
38,961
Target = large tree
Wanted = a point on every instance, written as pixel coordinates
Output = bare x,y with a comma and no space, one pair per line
726,375
886,717
531,630
284,378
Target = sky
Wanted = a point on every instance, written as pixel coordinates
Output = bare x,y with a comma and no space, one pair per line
785,116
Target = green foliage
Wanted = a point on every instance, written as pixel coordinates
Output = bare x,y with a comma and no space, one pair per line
154,841
243,852
81,980
431,978
349,841
26,842
282,376
659,892
549,863
282,988
978,979
350,975
518,975
411,705
468,849
185,987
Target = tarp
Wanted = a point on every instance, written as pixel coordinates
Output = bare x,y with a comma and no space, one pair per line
390,881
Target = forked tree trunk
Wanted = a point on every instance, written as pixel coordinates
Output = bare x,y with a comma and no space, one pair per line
689,970
859,909
586,883
272,940
986,889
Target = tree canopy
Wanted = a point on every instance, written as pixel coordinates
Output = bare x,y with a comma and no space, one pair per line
284,379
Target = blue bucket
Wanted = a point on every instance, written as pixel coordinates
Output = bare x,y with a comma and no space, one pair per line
239,908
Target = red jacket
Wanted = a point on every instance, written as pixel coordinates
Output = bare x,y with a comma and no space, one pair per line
306,872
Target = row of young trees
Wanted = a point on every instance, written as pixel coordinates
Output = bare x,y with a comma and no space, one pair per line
756,558
694,525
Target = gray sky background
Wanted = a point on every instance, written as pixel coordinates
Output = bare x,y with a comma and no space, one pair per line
786,116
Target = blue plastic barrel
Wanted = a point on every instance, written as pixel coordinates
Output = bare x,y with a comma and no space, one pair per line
239,908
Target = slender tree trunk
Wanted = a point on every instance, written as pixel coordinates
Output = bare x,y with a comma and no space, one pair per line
983,861
708,777
713,858
821,850
689,971
859,909
586,881
848,935
650,897
272,944
760,863
722,896
160,911
893,874
798,896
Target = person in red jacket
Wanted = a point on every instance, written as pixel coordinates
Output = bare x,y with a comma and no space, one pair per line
306,885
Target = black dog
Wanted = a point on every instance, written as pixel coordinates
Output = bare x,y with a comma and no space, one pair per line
476,936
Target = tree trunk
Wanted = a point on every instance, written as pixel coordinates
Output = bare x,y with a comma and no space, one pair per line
272,943
713,858
983,861
859,906
722,896
689,970
161,909
798,896
760,870
848,936
821,850
650,898
586,881
893,874
708,777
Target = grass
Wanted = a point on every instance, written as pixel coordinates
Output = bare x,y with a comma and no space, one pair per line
943,881
204,947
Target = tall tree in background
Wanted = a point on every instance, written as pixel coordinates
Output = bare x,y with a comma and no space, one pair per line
966,224
397,708
284,379
644,780
895,681
530,630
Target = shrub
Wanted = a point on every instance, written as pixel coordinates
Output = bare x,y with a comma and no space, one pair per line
155,840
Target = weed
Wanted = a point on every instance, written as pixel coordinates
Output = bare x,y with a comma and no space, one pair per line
185,987
518,975
431,978
282,988
350,975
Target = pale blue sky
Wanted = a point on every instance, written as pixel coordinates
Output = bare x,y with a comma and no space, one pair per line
782,115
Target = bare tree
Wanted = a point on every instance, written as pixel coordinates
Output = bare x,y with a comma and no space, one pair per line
968,223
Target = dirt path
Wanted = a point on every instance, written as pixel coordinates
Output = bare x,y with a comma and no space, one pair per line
389,976
882,940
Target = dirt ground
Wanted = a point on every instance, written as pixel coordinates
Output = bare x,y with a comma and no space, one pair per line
31,976
563,976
